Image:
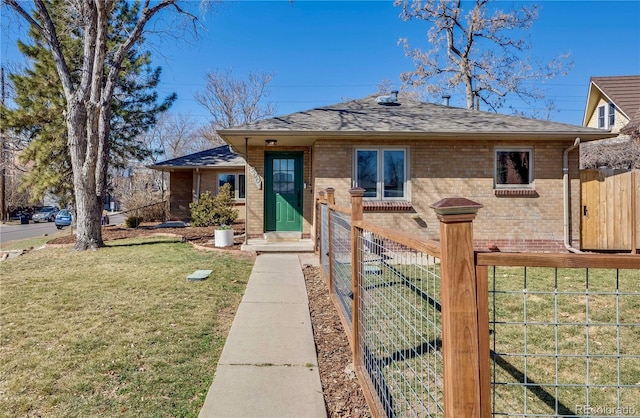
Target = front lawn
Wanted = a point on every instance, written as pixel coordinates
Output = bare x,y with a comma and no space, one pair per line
114,332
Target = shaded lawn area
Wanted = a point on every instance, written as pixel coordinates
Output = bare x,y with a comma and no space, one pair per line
114,332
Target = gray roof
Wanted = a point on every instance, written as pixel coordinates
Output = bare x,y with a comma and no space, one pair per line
406,118
220,156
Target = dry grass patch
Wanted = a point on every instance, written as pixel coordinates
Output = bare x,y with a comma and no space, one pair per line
115,332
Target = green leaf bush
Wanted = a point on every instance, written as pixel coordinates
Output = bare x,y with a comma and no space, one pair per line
214,210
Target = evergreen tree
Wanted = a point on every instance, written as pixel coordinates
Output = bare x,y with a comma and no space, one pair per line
40,104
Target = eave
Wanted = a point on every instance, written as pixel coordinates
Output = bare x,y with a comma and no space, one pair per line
238,139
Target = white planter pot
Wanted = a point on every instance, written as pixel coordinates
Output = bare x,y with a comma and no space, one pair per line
223,237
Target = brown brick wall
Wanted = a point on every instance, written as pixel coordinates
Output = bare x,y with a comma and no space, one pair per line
440,169
184,187
180,194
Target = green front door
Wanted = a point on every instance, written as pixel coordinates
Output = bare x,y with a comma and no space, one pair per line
283,192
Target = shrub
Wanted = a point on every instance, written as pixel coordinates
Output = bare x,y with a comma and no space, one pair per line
133,221
138,203
214,211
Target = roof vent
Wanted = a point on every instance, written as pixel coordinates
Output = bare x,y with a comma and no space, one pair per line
390,100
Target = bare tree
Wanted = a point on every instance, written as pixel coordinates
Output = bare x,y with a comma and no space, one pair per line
89,95
172,136
405,92
477,49
233,102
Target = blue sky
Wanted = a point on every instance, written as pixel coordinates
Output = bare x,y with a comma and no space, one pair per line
323,52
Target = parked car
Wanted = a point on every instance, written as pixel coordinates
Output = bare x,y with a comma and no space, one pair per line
63,218
46,214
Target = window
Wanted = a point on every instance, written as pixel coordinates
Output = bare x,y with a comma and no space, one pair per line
514,168
612,115
601,119
382,173
284,175
237,184
606,116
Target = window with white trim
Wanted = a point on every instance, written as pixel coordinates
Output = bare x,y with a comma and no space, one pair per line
514,168
236,181
601,118
381,172
606,116
612,115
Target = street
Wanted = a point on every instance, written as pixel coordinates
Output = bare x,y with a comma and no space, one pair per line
12,232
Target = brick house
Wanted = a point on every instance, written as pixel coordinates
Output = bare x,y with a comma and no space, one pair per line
408,155
193,174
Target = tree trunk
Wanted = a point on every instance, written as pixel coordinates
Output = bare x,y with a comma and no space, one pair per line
88,208
469,93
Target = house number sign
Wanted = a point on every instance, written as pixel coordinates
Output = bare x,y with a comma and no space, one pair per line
256,177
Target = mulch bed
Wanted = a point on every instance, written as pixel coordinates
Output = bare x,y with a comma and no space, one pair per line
200,236
342,392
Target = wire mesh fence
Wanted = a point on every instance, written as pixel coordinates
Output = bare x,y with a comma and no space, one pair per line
552,341
341,263
400,327
324,239
565,341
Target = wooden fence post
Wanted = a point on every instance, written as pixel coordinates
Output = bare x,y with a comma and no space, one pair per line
330,201
318,228
356,215
460,329
331,197
634,213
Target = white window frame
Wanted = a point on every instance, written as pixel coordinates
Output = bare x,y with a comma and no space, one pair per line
611,115
236,191
530,185
380,170
608,118
602,117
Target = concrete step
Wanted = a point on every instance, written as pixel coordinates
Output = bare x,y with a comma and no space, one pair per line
282,236
288,246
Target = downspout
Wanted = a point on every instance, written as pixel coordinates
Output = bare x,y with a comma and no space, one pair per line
246,200
565,179
198,185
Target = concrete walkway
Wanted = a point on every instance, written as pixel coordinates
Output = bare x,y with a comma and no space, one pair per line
268,366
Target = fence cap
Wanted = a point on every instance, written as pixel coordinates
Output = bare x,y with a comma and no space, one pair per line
456,206
357,191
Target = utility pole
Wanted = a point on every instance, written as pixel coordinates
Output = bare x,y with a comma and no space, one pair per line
3,163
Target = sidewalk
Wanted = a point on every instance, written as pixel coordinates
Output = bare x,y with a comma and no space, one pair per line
268,366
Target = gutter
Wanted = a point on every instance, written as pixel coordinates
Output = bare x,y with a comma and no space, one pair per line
565,180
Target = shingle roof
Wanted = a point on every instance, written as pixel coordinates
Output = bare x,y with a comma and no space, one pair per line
624,91
409,117
220,156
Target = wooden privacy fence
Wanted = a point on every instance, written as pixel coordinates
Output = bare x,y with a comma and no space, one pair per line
439,330
610,210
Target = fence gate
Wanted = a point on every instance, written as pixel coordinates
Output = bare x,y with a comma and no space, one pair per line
610,210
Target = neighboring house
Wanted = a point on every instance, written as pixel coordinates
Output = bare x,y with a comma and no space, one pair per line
408,155
610,173
613,103
193,174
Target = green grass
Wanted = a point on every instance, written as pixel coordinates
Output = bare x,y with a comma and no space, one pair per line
556,308
114,332
35,242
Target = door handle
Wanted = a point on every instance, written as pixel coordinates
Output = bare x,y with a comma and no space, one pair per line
584,210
